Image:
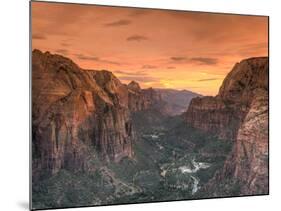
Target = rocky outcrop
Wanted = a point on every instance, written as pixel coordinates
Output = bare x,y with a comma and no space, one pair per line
136,99
167,101
76,115
223,114
144,99
212,115
251,148
239,112
245,171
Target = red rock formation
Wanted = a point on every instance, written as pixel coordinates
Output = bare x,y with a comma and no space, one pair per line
143,99
168,101
222,115
251,148
246,168
73,109
213,116
136,99
239,112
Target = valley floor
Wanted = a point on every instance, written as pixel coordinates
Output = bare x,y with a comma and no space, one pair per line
171,162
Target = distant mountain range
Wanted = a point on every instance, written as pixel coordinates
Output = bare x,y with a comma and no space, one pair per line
177,100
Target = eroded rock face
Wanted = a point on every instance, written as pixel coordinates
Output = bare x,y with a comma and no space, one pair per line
252,148
143,99
212,115
136,99
246,77
169,102
239,112
223,114
76,115
245,171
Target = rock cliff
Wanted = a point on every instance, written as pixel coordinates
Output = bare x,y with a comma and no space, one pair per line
167,101
223,114
239,112
212,115
144,99
76,114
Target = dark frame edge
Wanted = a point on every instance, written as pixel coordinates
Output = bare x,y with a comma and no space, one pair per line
30,105
268,138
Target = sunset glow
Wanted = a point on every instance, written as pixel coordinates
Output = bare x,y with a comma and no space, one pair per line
157,48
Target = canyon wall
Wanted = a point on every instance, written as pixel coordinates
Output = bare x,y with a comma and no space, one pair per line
76,115
143,99
239,113
222,115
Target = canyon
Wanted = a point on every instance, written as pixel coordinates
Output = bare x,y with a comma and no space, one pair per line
75,109
98,141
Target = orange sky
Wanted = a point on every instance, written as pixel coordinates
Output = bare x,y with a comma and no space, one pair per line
157,48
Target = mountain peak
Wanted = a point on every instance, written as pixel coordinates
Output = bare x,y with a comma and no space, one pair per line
134,86
245,76
36,51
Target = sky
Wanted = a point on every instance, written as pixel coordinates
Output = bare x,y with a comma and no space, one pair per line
156,48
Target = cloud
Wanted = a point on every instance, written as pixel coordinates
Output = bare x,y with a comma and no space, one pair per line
137,38
204,60
178,58
62,51
84,57
109,62
195,60
58,19
97,59
38,37
65,44
122,22
208,79
137,73
171,67
139,78
147,66
251,49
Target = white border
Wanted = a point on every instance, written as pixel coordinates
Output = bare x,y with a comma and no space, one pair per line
14,110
